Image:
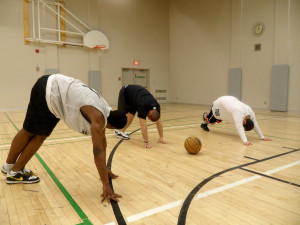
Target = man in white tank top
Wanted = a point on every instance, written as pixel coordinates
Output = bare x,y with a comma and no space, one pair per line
58,97
232,110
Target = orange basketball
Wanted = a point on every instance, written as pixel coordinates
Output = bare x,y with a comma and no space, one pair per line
192,145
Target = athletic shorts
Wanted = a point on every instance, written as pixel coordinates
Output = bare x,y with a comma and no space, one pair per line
39,120
122,105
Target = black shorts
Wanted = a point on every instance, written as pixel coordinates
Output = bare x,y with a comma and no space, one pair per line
39,120
122,105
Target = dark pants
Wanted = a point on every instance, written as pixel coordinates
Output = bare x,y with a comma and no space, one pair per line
122,104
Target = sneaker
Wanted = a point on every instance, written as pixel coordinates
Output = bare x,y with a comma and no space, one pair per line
25,171
122,135
205,117
204,127
6,168
3,170
21,178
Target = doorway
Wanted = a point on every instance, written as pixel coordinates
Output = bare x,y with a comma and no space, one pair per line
135,76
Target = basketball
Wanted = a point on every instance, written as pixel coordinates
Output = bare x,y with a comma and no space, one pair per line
192,145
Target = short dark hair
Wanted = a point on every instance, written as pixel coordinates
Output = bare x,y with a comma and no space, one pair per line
249,125
154,116
117,119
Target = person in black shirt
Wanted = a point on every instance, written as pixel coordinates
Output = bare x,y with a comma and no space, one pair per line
135,98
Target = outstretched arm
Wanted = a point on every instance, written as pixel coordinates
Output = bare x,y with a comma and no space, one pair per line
242,133
160,132
258,130
144,133
96,119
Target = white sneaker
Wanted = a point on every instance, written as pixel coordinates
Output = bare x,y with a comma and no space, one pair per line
122,135
5,171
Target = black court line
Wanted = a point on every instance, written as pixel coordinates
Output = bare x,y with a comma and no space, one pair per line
117,211
189,198
271,177
250,158
114,204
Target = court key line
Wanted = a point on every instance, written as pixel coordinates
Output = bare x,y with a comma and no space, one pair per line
204,194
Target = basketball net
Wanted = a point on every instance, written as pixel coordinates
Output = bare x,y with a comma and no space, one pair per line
100,49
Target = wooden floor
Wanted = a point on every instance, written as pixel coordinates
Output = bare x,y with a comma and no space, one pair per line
225,183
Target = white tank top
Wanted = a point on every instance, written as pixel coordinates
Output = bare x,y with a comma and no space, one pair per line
65,96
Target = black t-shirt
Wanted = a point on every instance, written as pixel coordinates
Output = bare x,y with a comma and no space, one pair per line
140,100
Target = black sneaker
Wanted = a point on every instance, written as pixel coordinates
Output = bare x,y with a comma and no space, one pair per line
204,126
21,178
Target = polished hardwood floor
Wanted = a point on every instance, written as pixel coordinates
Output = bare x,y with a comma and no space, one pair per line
225,183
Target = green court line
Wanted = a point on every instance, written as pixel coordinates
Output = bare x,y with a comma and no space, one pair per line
67,195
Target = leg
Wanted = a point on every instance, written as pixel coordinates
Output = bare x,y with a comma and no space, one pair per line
120,133
17,146
210,118
23,150
130,118
206,118
30,149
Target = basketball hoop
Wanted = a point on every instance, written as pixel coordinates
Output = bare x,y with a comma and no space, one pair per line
98,47
96,39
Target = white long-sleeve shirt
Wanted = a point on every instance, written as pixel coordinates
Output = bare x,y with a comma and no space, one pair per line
66,95
230,109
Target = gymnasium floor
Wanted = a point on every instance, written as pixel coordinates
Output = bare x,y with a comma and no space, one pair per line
225,183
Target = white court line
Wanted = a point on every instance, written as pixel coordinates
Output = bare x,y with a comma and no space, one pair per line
108,135
154,211
204,194
62,139
76,138
177,203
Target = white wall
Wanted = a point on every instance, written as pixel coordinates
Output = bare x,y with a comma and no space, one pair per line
207,38
188,45
294,54
136,29
199,50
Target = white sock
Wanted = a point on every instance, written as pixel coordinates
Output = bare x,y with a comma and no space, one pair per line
11,173
7,166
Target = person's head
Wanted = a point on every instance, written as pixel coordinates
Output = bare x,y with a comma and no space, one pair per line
116,120
153,115
248,124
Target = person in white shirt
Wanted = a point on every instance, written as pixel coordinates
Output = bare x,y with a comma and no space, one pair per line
55,97
230,109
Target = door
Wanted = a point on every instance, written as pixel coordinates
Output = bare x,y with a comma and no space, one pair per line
140,77
135,76
127,77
